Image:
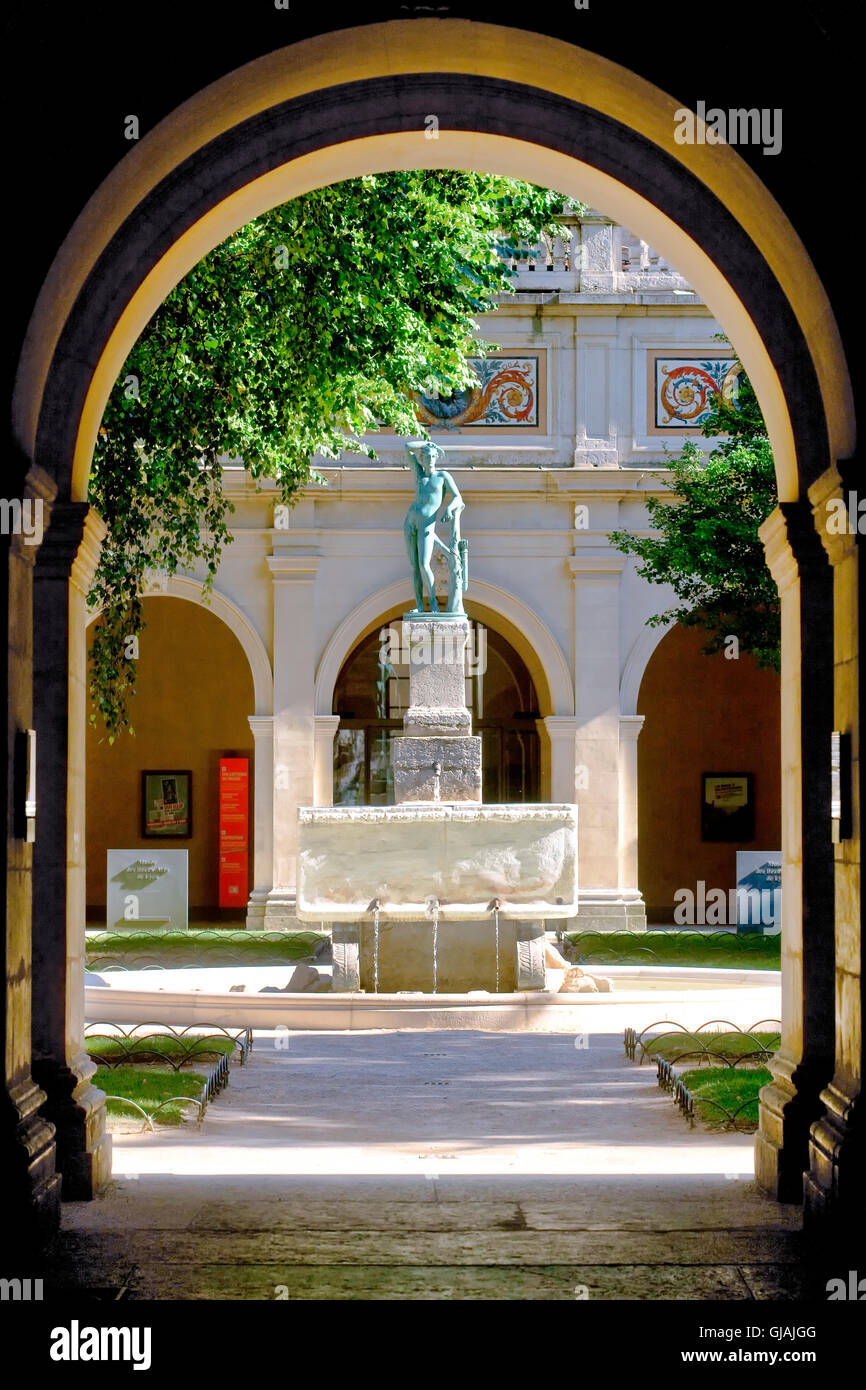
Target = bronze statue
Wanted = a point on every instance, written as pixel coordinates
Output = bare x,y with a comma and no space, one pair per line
431,485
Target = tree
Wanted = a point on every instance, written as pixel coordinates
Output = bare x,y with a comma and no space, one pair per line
310,326
708,548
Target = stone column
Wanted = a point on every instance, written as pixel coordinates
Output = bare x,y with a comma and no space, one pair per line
557,733
596,754
833,1186
803,1064
64,570
27,1145
630,726
323,773
294,574
262,726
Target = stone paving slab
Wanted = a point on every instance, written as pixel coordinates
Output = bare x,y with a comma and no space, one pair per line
567,1283
485,1245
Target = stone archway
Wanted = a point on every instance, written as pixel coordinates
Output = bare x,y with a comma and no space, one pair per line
524,630
355,102
222,607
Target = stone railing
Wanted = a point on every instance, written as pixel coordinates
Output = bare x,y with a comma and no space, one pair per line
598,257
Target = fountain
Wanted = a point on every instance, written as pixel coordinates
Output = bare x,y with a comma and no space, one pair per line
439,858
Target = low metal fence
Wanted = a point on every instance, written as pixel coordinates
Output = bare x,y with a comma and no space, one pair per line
191,1041
699,1046
268,948
596,946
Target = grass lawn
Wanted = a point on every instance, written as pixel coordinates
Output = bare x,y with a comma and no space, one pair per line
148,1087
180,948
157,1046
725,950
673,1046
734,1088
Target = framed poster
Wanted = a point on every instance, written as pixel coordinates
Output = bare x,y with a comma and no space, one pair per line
727,806
166,804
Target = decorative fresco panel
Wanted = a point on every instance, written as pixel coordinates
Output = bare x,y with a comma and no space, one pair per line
509,396
682,390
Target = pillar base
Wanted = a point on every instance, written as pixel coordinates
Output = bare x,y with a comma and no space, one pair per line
834,1212
599,912
280,914
255,919
789,1105
76,1109
29,1165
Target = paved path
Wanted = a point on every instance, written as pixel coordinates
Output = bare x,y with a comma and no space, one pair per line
435,1165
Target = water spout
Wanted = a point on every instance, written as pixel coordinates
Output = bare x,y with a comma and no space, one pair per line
433,910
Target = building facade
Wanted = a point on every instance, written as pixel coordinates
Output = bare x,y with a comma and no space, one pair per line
606,360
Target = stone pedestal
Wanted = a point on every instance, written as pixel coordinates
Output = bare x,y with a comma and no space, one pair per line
466,956
436,758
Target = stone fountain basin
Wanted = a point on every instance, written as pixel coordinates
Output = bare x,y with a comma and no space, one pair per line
462,854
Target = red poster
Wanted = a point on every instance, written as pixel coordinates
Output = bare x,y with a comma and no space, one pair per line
234,830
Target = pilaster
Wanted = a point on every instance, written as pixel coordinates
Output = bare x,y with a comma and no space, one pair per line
630,726
326,726
834,1206
596,705
27,1141
262,726
64,571
801,1067
293,572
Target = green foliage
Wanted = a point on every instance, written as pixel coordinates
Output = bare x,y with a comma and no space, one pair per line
310,326
727,1097
721,950
179,949
707,547
150,1088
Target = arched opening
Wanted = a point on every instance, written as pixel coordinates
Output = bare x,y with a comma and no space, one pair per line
356,102
186,652
727,723
371,696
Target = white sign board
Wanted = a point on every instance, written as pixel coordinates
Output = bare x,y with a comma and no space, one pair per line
147,890
759,891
